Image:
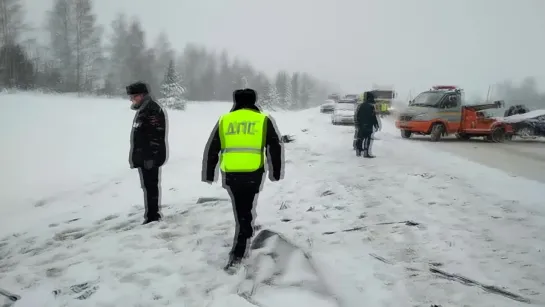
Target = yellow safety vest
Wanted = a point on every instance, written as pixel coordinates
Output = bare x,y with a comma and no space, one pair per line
384,107
242,134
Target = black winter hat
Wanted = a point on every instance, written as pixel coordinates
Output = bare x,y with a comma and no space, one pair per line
370,97
246,96
137,88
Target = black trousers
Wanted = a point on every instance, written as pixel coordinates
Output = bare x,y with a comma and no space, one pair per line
149,179
242,198
364,141
355,142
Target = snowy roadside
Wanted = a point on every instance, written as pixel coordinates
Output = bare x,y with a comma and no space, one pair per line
349,212
94,235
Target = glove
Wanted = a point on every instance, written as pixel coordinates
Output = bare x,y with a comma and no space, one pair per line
148,164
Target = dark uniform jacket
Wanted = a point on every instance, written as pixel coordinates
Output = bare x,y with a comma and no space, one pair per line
148,135
366,117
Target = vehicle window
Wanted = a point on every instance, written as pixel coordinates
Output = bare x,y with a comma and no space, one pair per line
383,94
451,101
428,99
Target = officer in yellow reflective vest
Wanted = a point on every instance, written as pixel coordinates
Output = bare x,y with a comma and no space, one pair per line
240,142
383,109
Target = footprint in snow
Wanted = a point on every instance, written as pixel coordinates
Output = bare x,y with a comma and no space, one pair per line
124,226
168,235
69,234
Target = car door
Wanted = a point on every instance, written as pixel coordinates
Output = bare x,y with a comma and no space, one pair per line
451,111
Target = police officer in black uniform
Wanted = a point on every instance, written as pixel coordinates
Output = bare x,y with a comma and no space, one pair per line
148,146
243,186
366,123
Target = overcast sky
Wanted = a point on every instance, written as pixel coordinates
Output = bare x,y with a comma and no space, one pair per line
411,44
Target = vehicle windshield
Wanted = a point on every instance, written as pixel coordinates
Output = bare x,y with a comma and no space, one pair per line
383,94
428,99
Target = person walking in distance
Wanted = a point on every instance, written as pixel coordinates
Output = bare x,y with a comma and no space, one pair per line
366,123
239,142
148,146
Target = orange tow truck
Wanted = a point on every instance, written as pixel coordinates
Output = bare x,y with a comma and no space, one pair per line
440,112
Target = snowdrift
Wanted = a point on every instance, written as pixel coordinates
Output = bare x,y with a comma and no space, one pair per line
280,274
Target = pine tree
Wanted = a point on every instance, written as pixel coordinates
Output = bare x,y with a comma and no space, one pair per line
16,70
288,99
272,98
281,85
305,91
172,90
118,49
295,89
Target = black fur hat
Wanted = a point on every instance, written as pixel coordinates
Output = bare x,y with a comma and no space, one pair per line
246,96
369,97
137,88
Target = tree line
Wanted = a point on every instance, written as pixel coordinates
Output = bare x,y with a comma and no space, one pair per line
525,93
82,56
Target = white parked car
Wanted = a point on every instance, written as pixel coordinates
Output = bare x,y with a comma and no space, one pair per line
344,112
328,106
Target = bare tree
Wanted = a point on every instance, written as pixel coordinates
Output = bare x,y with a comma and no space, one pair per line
76,44
88,47
12,21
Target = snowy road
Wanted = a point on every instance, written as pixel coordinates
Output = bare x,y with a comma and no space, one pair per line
518,158
374,227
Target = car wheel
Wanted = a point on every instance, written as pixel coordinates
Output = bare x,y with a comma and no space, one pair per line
498,135
525,132
437,132
406,134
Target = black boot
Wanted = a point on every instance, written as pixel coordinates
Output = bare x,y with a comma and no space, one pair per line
233,264
366,154
147,221
358,152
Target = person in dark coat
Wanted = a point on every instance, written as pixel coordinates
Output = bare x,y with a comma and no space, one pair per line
366,124
148,146
243,186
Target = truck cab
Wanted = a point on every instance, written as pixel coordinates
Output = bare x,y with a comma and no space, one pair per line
383,100
440,104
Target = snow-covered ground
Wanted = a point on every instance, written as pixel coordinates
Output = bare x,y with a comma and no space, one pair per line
70,212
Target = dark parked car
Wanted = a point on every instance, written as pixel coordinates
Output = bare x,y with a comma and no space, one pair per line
526,123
